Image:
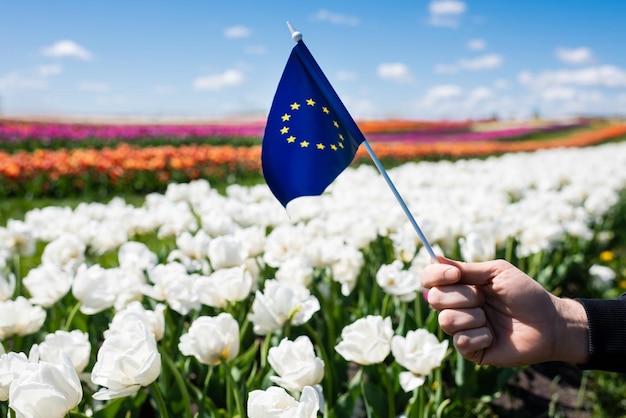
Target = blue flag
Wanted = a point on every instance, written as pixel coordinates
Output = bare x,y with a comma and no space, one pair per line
310,137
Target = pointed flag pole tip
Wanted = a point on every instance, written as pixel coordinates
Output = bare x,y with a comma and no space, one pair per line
295,35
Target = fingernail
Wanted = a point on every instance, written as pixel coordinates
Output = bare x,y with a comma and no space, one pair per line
450,274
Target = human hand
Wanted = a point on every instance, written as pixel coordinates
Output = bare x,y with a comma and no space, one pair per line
500,316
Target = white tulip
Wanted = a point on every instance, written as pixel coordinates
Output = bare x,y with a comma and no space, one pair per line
98,288
153,320
174,285
192,251
420,352
295,269
398,282
478,245
223,286
280,303
296,364
47,284
603,275
66,251
136,257
74,344
276,402
127,360
21,237
347,268
55,387
7,285
211,340
12,365
20,317
367,340
226,251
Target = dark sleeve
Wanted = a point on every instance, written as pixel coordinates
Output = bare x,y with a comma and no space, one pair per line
607,334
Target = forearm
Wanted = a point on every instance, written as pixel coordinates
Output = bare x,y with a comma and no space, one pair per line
571,331
607,334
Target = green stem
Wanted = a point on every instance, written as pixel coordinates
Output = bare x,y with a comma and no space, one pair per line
419,320
179,381
70,317
329,370
234,390
391,405
158,397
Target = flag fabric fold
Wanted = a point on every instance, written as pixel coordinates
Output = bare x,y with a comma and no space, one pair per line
310,137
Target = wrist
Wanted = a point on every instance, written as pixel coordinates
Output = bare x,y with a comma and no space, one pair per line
571,331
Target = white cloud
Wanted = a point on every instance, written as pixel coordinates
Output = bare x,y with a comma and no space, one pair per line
446,12
580,55
229,78
14,81
93,86
482,63
395,71
501,84
558,93
336,18
347,76
67,48
442,93
479,94
600,76
49,69
237,31
476,44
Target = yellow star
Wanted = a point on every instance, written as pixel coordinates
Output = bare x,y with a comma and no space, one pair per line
291,139
333,147
340,145
285,117
304,144
341,137
295,106
336,124
310,102
325,110
284,130
320,146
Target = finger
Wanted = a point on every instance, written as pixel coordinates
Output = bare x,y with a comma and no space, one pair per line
456,320
440,274
481,273
454,296
471,343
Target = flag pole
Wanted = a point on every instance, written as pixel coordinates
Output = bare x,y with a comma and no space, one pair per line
297,36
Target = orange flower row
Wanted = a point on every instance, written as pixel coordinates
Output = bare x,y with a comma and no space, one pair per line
123,164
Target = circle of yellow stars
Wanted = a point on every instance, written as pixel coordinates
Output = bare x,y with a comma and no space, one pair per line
303,143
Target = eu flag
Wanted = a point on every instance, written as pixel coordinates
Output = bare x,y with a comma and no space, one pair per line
310,137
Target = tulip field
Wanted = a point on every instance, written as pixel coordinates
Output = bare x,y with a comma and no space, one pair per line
148,271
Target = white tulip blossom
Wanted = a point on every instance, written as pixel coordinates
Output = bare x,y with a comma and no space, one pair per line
127,360
420,352
20,317
172,284
136,257
283,242
74,344
280,303
211,340
12,365
296,364
295,269
47,284
54,385
192,251
226,251
346,269
20,237
224,286
67,251
478,245
98,288
7,285
603,275
154,320
276,402
398,282
367,340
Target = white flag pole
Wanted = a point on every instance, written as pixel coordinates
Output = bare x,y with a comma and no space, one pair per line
297,36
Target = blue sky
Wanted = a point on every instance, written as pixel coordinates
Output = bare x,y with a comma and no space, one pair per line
439,59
